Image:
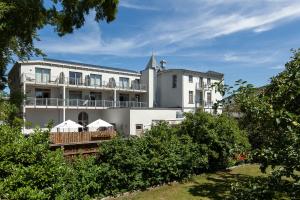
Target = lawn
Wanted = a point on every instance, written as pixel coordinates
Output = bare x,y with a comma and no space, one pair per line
205,186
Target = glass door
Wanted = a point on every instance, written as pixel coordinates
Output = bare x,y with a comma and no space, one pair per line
95,80
42,75
75,78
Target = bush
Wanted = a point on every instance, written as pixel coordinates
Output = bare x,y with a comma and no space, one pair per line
29,170
219,136
158,157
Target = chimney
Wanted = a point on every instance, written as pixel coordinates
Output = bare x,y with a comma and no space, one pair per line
163,64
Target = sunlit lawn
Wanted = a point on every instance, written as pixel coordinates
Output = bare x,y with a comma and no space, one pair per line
206,186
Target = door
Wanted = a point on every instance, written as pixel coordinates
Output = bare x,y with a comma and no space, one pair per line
42,96
75,78
42,75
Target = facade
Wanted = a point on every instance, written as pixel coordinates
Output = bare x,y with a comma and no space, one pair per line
57,90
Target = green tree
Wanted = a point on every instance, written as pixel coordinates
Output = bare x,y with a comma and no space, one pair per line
273,119
218,135
21,19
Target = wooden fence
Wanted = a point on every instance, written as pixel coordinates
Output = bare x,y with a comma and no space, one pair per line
81,137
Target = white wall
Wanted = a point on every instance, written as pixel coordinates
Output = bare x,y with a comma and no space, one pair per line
147,79
118,116
41,117
146,117
167,95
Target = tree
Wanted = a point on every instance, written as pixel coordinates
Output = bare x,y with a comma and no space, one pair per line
21,19
273,119
218,135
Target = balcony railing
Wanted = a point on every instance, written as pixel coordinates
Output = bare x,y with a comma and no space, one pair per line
44,102
203,86
205,104
54,80
31,101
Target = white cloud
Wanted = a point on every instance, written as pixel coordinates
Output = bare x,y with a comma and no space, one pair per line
278,67
136,5
203,21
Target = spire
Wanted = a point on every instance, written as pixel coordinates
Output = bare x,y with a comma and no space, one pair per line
152,62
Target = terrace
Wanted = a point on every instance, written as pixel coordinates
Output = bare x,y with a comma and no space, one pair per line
81,83
81,103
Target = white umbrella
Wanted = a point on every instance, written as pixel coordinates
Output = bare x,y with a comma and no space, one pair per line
66,126
99,123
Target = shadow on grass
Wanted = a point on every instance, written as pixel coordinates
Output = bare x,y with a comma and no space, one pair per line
219,186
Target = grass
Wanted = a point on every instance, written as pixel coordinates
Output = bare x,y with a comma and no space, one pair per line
205,186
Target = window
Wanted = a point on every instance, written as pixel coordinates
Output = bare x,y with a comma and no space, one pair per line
137,98
42,96
190,78
136,84
174,81
179,114
208,81
75,78
95,80
123,97
209,99
83,119
191,97
124,82
42,75
95,96
42,93
201,98
75,95
139,128
201,82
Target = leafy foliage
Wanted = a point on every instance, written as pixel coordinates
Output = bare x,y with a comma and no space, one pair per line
272,119
219,136
21,19
29,170
158,157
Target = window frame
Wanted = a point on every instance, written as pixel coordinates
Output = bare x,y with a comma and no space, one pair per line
174,81
191,77
191,97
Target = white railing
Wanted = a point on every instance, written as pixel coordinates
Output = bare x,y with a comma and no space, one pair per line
206,104
31,101
43,102
131,104
31,78
202,86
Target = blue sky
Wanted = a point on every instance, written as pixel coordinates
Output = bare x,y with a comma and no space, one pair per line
248,39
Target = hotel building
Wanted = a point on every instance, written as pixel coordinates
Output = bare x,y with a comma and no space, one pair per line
132,101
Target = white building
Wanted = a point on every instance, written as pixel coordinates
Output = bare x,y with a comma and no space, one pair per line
59,90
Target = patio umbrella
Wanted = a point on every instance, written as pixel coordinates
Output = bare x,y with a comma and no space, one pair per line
67,126
98,124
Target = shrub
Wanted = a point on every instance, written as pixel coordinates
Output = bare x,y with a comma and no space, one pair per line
218,135
29,170
158,157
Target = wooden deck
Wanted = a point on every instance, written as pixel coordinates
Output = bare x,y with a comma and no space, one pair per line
79,143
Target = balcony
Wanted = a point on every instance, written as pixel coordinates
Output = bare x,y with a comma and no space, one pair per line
79,82
203,86
205,104
81,103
